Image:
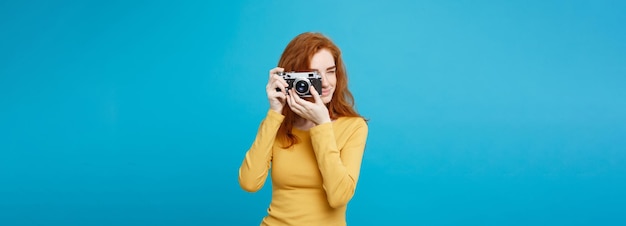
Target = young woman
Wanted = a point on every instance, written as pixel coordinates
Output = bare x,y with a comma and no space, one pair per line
313,145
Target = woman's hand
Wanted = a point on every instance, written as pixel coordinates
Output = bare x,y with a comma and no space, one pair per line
315,112
275,88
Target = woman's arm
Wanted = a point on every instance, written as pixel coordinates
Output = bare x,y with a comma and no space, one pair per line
254,168
339,168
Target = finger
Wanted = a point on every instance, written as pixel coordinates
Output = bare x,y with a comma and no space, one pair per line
316,95
302,102
278,94
297,109
271,83
303,105
281,81
274,96
293,100
291,104
295,97
290,97
282,97
275,77
275,70
279,87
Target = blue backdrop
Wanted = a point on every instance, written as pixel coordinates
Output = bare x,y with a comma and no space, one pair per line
481,112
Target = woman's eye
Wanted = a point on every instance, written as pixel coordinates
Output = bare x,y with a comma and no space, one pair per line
331,72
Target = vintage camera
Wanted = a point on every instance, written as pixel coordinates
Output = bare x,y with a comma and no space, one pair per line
302,81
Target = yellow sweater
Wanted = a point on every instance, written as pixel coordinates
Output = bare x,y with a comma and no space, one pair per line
313,180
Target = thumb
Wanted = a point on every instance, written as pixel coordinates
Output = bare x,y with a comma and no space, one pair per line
316,95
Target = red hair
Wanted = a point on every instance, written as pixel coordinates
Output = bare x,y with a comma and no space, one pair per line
297,57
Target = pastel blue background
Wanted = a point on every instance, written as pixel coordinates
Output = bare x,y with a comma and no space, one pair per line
481,112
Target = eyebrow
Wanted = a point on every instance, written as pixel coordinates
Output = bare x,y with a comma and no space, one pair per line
329,68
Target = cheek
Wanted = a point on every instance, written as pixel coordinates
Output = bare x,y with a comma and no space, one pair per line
332,80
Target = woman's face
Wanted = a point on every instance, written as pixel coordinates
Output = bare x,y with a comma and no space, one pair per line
324,62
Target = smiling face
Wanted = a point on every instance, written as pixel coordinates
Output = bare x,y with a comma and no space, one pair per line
314,51
324,62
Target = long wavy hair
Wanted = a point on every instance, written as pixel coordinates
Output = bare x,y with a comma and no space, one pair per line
297,57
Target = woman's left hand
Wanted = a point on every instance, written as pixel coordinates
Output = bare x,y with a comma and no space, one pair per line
315,112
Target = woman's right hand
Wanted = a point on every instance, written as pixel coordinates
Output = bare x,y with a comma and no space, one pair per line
276,90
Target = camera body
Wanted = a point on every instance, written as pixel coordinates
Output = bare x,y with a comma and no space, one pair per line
302,81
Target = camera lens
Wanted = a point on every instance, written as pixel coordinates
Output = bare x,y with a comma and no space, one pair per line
302,86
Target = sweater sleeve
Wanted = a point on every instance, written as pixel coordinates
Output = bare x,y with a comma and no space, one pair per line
255,165
339,168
